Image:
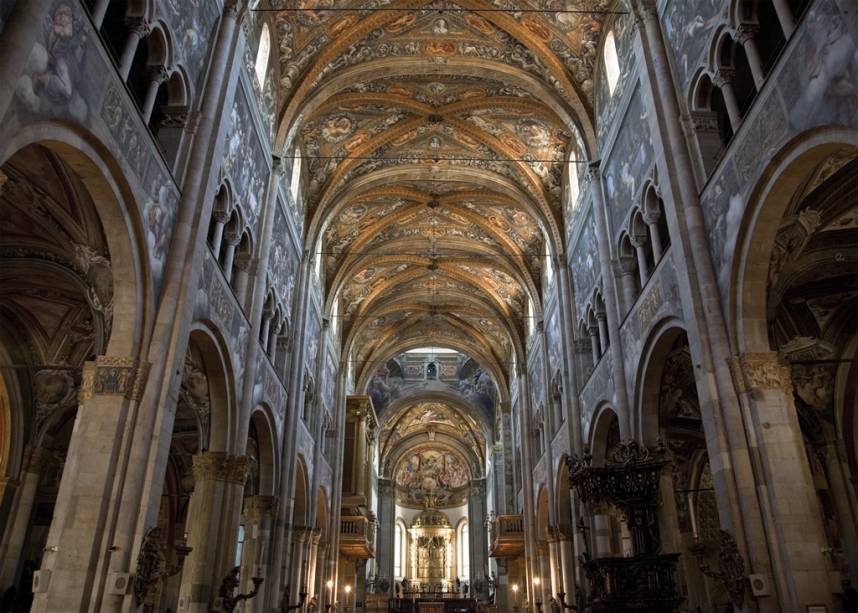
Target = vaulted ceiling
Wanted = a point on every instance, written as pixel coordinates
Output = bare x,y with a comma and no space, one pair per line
433,137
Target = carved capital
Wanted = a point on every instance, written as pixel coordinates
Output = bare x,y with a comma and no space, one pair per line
626,264
139,26
651,216
637,240
760,371
158,74
724,76
221,466
746,33
257,508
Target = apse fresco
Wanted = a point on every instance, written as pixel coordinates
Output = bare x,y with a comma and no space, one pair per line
431,477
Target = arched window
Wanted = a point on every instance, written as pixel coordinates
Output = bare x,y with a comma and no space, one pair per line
574,184
262,54
296,176
612,62
397,551
464,551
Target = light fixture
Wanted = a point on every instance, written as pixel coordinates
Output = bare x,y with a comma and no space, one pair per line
330,584
536,581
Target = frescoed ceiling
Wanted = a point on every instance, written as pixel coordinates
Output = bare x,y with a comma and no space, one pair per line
434,134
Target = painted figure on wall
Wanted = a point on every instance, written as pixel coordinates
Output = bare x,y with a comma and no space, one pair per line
49,83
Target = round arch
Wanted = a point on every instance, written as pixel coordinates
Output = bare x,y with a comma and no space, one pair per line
759,227
218,368
266,433
119,212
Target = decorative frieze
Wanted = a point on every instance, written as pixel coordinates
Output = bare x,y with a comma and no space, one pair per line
760,371
221,466
113,376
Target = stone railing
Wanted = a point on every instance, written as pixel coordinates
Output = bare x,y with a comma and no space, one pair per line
507,536
357,536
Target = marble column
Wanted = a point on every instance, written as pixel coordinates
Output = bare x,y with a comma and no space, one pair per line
745,36
785,17
386,529
138,29
220,219
638,241
724,81
567,564
158,76
478,546
626,264
651,219
19,515
554,563
766,390
300,536
259,514
359,592
218,476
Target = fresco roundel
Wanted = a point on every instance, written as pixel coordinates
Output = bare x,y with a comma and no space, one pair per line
431,477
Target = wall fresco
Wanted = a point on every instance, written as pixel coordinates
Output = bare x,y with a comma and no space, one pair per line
65,77
553,341
536,377
815,85
608,104
313,332
584,263
282,261
330,381
431,477
689,27
629,161
245,161
193,25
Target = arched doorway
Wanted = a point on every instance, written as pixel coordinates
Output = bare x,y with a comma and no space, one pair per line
56,313
795,303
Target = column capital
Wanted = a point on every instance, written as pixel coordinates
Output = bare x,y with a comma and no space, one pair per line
724,76
221,466
746,32
625,264
703,121
139,26
644,10
651,216
158,74
760,371
260,507
637,240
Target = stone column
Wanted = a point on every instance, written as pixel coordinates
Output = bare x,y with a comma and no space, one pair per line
386,529
595,345
259,514
724,81
220,218
98,12
785,16
313,559
638,241
745,37
478,546
19,515
138,29
232,239
543,593
567,563
359,592
242,263
765,387
300,536
626,266
554,563
218,476
601,321
158,77
651,220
